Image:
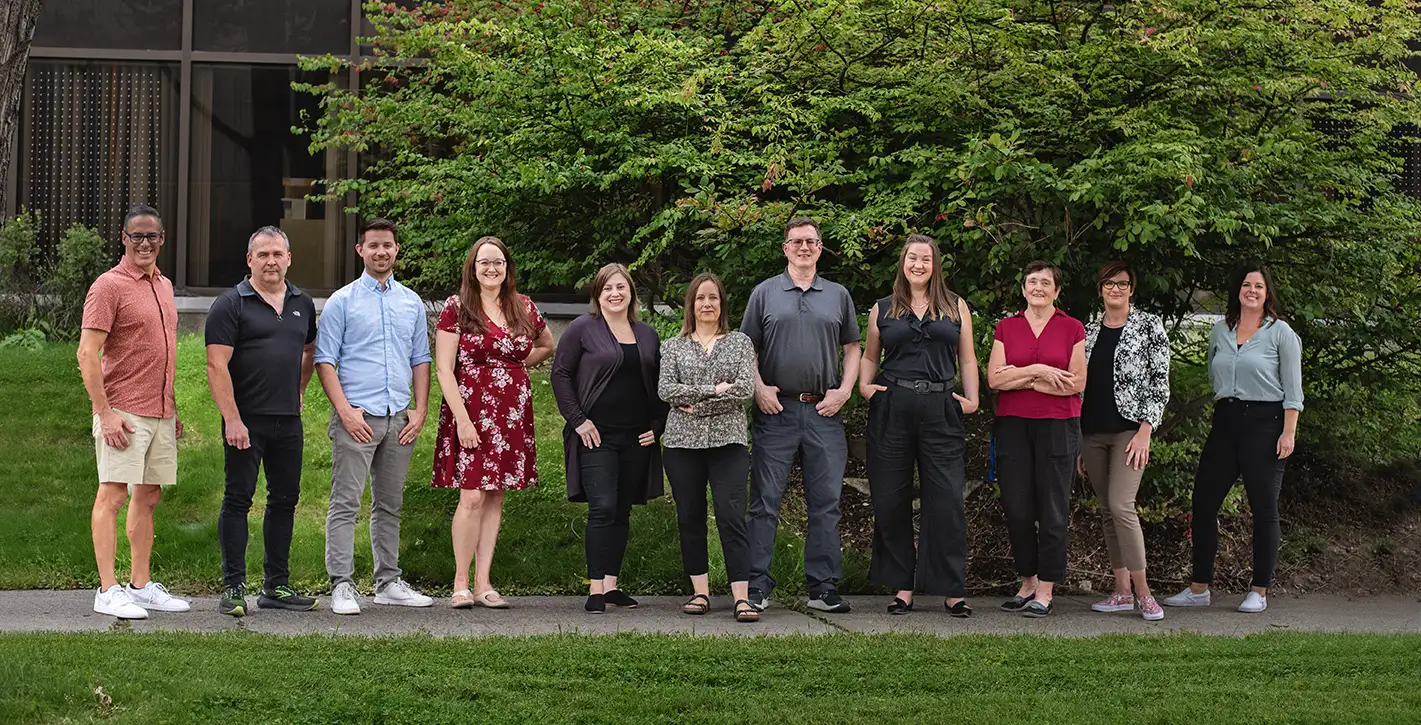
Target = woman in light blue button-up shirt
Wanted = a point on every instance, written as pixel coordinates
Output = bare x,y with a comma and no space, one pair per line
1255,365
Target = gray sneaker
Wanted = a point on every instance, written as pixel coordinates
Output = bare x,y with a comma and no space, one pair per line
1188,598
758,601
829,601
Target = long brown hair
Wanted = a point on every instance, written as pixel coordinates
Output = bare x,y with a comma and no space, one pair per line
1270,298
942,302
471,306
688,319
605,275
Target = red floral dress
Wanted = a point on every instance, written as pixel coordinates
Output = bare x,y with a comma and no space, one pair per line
494,387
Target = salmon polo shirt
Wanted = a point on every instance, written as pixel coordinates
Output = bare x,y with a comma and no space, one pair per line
140,355
1058,339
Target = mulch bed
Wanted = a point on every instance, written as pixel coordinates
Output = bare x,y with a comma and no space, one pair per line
1347,530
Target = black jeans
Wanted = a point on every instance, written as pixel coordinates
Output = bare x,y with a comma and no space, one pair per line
613,474
276,445
725,469
1036,464
1243,440
908,429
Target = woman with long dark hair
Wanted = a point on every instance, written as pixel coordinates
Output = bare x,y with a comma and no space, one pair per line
708,375
605,376
487,337
1255,365
923,335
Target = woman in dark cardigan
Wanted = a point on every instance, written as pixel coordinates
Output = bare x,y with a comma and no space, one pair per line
604,377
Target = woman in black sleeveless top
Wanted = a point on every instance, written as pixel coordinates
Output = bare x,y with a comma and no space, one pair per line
923,333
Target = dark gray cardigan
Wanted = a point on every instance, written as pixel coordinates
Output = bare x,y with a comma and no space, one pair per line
588,355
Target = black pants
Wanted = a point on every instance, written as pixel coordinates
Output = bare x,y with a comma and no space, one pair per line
1243,440
908,429
1036,464
613,476
276,445
725,470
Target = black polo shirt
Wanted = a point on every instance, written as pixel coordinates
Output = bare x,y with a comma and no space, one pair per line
266,347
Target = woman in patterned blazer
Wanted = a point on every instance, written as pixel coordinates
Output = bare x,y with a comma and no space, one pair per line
1127,387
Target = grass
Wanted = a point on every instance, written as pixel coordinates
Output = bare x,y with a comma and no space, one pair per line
238,677
47,480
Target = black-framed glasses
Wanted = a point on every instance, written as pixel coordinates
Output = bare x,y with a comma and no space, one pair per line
1115,284
150,238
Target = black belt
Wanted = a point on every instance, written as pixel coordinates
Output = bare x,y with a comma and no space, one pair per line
802,397
921,387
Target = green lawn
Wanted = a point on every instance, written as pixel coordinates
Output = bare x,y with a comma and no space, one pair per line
236,677
47,481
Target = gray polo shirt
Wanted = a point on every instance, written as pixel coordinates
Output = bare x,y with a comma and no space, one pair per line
799,334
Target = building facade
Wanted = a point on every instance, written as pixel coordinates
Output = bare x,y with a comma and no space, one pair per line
187,104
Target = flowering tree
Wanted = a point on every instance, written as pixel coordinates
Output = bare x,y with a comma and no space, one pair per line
1181,135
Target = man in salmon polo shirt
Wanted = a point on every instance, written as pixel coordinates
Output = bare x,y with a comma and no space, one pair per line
127,355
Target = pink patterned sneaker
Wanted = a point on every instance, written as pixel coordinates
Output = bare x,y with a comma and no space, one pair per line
1150,609
1116,603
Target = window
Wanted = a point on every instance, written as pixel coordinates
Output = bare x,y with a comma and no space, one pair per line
249,170
272,26
118,24
99,137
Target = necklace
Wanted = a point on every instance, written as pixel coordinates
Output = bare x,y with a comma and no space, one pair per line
705,344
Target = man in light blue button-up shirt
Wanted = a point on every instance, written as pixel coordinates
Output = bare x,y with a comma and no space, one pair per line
372,347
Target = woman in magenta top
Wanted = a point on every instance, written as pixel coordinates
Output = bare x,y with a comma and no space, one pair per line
1038,366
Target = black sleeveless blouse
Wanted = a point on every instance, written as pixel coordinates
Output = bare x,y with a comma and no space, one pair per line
917,349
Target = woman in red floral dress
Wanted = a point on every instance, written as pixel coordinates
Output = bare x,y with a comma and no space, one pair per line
487,336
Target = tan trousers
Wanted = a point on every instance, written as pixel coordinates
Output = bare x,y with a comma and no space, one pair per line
1116,485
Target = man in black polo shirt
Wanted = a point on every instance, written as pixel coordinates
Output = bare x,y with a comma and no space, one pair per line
261,339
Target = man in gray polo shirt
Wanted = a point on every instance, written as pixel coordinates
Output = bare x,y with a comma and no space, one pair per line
799,324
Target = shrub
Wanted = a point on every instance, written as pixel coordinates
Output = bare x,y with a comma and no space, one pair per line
19,250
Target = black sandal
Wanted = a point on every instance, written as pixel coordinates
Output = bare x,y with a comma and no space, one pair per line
899,606
748,614
959,610
698,604
1038,610
1018,603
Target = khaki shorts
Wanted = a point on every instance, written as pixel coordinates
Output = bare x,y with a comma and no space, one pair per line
151,457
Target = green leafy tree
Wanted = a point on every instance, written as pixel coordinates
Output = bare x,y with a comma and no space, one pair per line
1184,136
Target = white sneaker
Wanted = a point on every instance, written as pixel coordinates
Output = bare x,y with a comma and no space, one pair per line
1253,603
116,603
155,597
400,594
1188,598
344,600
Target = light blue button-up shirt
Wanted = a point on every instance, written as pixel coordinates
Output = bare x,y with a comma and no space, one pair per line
1268,368
374,337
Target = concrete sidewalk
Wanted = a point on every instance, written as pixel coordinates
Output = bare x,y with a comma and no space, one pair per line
71,611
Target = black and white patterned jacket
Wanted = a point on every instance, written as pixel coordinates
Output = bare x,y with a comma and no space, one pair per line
1141,366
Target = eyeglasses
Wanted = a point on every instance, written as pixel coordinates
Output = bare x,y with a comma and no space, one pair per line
140,238
801,242
486,263
1115,284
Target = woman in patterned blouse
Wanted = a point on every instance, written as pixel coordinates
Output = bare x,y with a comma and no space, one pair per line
708,376
1127,387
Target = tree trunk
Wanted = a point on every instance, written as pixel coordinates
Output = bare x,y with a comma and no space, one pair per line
17,29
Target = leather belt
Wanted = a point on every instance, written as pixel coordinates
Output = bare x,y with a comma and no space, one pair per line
802,397
921,387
